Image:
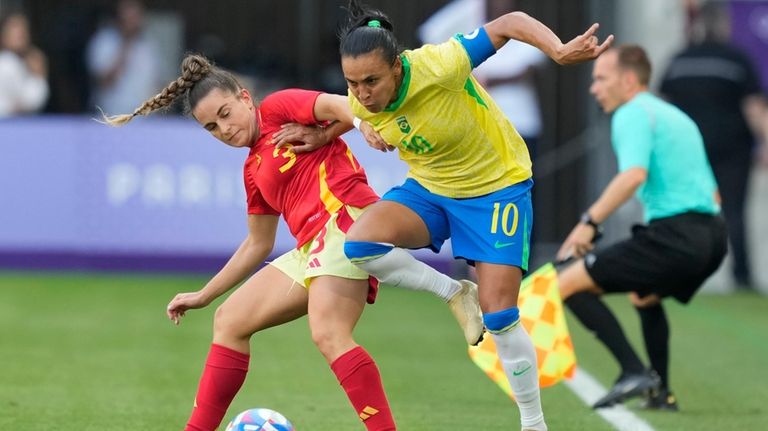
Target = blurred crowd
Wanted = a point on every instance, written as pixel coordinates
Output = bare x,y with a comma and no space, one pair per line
23,69
108,56
121,62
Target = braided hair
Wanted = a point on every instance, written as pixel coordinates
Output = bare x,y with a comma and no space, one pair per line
198,77
367,30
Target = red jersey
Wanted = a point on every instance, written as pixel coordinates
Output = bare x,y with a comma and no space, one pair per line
305,188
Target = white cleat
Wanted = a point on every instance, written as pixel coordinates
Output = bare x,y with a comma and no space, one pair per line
465,307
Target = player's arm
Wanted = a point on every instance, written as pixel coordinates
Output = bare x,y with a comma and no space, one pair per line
621,188
520,26
337,108
303,138
251,253
328,107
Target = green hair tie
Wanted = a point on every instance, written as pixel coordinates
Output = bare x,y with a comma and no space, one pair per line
374,23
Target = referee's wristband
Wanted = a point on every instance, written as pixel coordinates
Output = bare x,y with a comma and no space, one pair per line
587,219
356,122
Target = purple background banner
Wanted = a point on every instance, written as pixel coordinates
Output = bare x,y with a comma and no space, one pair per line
159,193
750,31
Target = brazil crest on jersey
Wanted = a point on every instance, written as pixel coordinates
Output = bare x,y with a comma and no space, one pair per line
454,138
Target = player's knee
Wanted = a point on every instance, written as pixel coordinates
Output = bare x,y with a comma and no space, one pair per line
320,336
357,232
501,321
227,322
360,252
327,340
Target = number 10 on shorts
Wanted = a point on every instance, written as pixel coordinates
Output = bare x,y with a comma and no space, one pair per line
509,227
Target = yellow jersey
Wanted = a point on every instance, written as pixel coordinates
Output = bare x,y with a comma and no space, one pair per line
455,139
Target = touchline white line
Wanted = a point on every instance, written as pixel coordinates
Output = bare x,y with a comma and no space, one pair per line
590,390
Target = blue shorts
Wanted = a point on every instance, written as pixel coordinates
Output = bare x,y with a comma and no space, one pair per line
494,228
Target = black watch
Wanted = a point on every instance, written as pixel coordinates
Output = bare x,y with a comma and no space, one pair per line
587,219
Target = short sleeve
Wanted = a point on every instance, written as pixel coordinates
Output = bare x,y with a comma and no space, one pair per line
632,136
290,106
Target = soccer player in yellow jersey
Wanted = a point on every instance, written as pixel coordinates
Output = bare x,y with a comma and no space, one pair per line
470,173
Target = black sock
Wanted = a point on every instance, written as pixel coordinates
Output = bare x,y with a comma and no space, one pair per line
656,335
596,316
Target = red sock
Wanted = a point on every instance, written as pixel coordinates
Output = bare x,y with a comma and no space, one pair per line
358,375
224,373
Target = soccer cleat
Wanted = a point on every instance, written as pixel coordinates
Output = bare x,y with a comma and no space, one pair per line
465,307
660,399
629,386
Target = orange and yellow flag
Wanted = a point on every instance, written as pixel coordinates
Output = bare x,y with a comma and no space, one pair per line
541,311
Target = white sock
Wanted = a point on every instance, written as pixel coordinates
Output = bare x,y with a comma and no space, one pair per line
400,269
518,358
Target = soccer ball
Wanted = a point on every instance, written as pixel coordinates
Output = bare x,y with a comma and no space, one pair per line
260,419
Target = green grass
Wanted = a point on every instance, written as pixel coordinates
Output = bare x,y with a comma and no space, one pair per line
718,351
94,352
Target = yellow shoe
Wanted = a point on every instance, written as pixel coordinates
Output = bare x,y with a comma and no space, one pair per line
465,307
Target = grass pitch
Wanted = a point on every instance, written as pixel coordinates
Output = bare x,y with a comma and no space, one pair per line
94,352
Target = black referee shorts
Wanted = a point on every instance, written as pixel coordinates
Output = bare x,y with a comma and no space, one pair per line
671,256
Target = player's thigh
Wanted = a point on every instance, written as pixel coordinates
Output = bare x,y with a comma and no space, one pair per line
494,228
390,222
336,304
498,286
268,298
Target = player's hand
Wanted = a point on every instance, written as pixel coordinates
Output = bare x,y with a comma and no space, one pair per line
582,48
578,243
374,139
183,302
301,138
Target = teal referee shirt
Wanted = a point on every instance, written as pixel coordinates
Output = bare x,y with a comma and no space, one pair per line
650,133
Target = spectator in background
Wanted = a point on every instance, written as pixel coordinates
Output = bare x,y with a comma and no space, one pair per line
123,61
23,69
716,84
508,76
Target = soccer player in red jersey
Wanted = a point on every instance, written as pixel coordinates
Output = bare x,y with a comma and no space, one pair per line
319,194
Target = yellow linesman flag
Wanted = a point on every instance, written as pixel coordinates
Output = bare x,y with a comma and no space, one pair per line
541,311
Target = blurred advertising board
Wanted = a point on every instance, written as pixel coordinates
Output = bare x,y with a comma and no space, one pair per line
159,193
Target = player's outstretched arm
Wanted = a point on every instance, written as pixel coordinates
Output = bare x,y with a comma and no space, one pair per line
251,253
522,27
